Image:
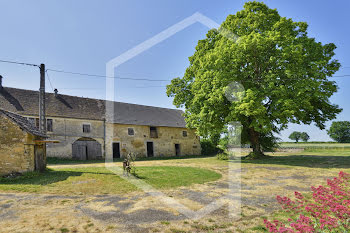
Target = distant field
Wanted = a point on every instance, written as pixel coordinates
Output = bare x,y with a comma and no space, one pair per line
315,145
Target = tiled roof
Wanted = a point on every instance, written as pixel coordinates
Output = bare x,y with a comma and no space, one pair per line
23,123
26,102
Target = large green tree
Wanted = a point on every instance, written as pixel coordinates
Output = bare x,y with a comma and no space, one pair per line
284,73
296,136
340,131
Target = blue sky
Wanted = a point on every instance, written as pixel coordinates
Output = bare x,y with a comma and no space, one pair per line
81,36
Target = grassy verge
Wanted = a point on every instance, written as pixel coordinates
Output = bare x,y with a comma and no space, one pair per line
97,180
326,145
311,160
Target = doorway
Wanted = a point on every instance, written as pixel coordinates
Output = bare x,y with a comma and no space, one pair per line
150,150
86,148
116,150
177,149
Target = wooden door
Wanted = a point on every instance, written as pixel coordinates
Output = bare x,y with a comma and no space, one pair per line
94,150
39,158
79,150
86,149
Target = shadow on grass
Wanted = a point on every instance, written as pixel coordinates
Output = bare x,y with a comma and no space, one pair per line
314,161
37,178
48,177
52,161
56,161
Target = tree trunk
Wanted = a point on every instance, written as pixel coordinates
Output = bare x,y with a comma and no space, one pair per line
255,142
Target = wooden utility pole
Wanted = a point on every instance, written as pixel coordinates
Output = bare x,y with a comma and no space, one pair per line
42,118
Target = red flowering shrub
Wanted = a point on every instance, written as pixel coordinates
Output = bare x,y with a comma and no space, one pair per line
327,211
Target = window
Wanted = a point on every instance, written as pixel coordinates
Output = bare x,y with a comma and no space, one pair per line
184,133
131,131
153,132
86,128
37,122
49,125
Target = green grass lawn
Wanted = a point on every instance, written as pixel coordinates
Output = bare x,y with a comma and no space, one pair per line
57,161
97,180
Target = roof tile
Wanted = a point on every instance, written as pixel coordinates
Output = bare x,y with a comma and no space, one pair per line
26,102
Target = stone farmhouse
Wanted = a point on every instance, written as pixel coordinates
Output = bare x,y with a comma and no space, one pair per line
22,146
80,126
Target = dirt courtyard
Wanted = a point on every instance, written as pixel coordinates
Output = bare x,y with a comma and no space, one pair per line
141,212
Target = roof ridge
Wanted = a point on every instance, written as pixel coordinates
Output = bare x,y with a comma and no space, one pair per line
89,98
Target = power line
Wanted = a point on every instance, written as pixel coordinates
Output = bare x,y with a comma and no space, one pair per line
84,74
77,88
103,76
339,76
48,77
19,63
80,88
114,77
148,86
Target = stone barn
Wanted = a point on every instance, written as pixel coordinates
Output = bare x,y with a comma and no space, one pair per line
22,146
80,126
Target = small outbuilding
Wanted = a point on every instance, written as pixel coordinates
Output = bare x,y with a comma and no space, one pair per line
22,145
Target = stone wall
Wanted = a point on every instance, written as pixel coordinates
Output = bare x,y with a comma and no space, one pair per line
164,145
16,148
67,131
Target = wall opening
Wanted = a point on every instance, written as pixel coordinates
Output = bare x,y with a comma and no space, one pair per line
86,149
150,149
153,132
177,149
116,150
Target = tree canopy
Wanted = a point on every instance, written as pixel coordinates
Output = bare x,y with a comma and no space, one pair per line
283,71
296,136
304,136
340,131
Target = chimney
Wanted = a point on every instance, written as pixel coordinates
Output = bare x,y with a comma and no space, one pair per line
56,92
0,82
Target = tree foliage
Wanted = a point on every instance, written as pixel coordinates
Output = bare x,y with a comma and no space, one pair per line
209,147
284,73
295,136
304,136
340,131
